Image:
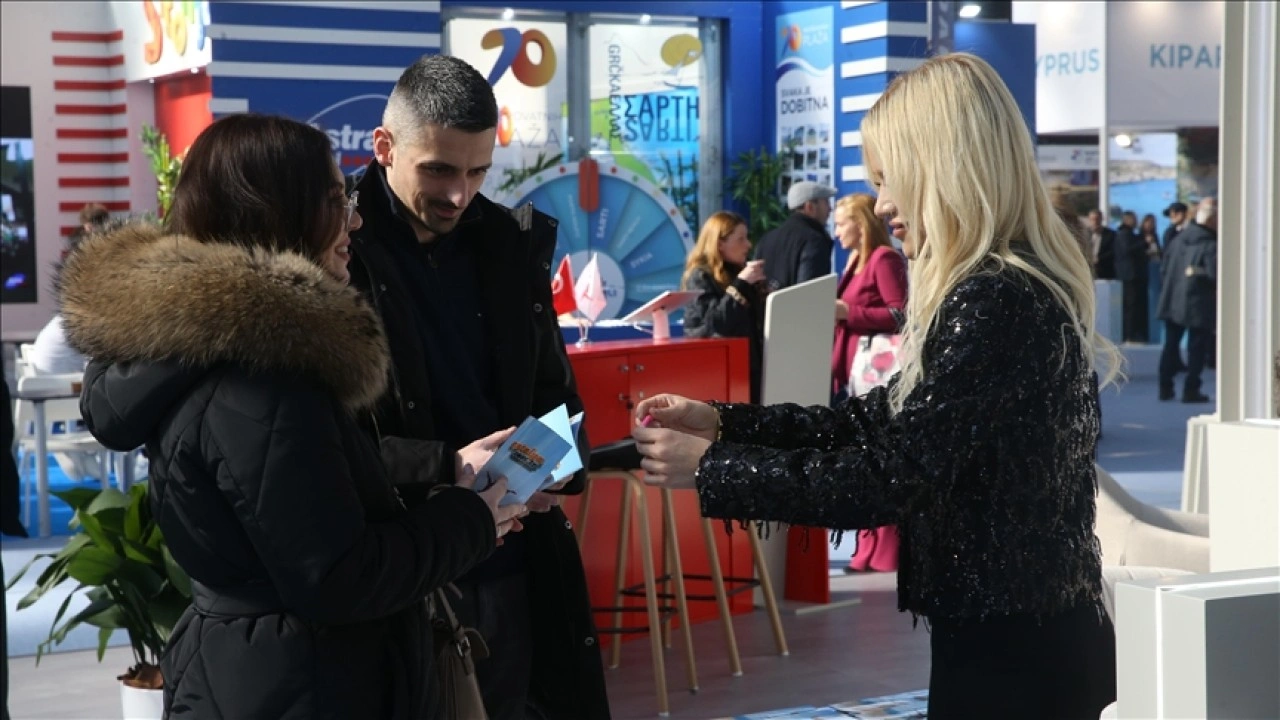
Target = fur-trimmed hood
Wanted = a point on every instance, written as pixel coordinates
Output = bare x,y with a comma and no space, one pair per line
137,294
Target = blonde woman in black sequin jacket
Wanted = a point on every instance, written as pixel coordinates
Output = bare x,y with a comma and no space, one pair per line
982,448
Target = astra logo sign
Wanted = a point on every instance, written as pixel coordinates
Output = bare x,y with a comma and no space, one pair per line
349,124
1075,62
1181,55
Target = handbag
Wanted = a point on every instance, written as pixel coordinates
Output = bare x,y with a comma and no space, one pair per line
875,361
457,649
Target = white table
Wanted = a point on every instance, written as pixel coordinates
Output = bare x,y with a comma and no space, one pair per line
38,398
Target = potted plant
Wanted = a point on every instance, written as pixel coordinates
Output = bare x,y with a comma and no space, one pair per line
163,164
756,182
132,582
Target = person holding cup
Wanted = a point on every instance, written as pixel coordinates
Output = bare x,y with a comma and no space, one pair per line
732,287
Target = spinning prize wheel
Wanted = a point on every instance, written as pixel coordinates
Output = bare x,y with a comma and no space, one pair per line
638,234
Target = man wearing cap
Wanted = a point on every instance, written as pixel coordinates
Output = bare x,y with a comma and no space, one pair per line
1177,214
799,249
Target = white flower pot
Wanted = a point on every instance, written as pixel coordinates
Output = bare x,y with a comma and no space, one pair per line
140,704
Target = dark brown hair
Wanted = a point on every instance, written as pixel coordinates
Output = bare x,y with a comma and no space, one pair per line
259,181
94,214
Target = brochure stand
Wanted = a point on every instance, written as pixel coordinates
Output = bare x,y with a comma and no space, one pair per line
659,309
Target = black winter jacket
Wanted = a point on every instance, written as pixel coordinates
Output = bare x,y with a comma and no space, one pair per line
1189,279
1130,256
513,251
242,371
735,311
796,251
987,469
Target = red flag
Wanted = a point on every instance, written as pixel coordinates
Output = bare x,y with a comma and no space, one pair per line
562,288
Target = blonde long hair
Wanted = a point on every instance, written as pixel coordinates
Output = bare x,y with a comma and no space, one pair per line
861,209
706,252
952,145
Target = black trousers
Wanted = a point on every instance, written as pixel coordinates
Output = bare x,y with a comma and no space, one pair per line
1199,345
1134,317
499,609
1020,667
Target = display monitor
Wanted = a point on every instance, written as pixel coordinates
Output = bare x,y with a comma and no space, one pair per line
659,309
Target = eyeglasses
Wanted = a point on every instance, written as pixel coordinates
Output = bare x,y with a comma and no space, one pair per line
353,202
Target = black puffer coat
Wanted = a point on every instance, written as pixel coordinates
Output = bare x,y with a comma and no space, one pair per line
987,469
733,311
242,372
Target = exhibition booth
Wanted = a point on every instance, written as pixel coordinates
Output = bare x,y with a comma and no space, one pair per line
629,125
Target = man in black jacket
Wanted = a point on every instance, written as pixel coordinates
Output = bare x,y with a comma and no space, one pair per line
1177,214
800,248
1189,301
1103,241
463,286
1131,271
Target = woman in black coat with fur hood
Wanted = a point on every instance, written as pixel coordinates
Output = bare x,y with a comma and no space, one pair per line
233,349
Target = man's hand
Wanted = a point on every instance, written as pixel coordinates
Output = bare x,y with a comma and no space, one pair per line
505,519
475,455
541,502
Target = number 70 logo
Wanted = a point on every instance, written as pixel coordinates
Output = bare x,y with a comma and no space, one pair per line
515,56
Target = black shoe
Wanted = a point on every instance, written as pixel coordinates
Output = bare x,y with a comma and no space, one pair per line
1195,398
1166,394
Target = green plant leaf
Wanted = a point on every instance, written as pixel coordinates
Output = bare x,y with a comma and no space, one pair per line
111,520
137,551
95,566
23,570
109,498
50,578
101,537
104,636
62,610
78,498
137,515
154,538
74,544
106,615
178,577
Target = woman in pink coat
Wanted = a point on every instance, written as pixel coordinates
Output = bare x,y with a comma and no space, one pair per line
871,299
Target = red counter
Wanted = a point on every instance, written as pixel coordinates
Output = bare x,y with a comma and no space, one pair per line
612,377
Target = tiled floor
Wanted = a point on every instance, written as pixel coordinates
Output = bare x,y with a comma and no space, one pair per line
838,655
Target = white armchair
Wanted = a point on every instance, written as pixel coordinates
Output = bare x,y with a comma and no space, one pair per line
1142,541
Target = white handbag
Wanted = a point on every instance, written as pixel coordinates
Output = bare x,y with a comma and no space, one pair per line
874,362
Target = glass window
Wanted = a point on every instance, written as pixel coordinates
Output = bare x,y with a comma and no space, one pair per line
524,61
603,126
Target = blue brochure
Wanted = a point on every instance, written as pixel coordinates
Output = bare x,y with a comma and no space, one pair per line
538,454
567,428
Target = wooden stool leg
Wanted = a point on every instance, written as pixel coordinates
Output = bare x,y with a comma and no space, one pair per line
766,588
651,599
677,576
620,572
584,502
722,600
667,564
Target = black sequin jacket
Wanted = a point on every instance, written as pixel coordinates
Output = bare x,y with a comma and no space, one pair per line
987,469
